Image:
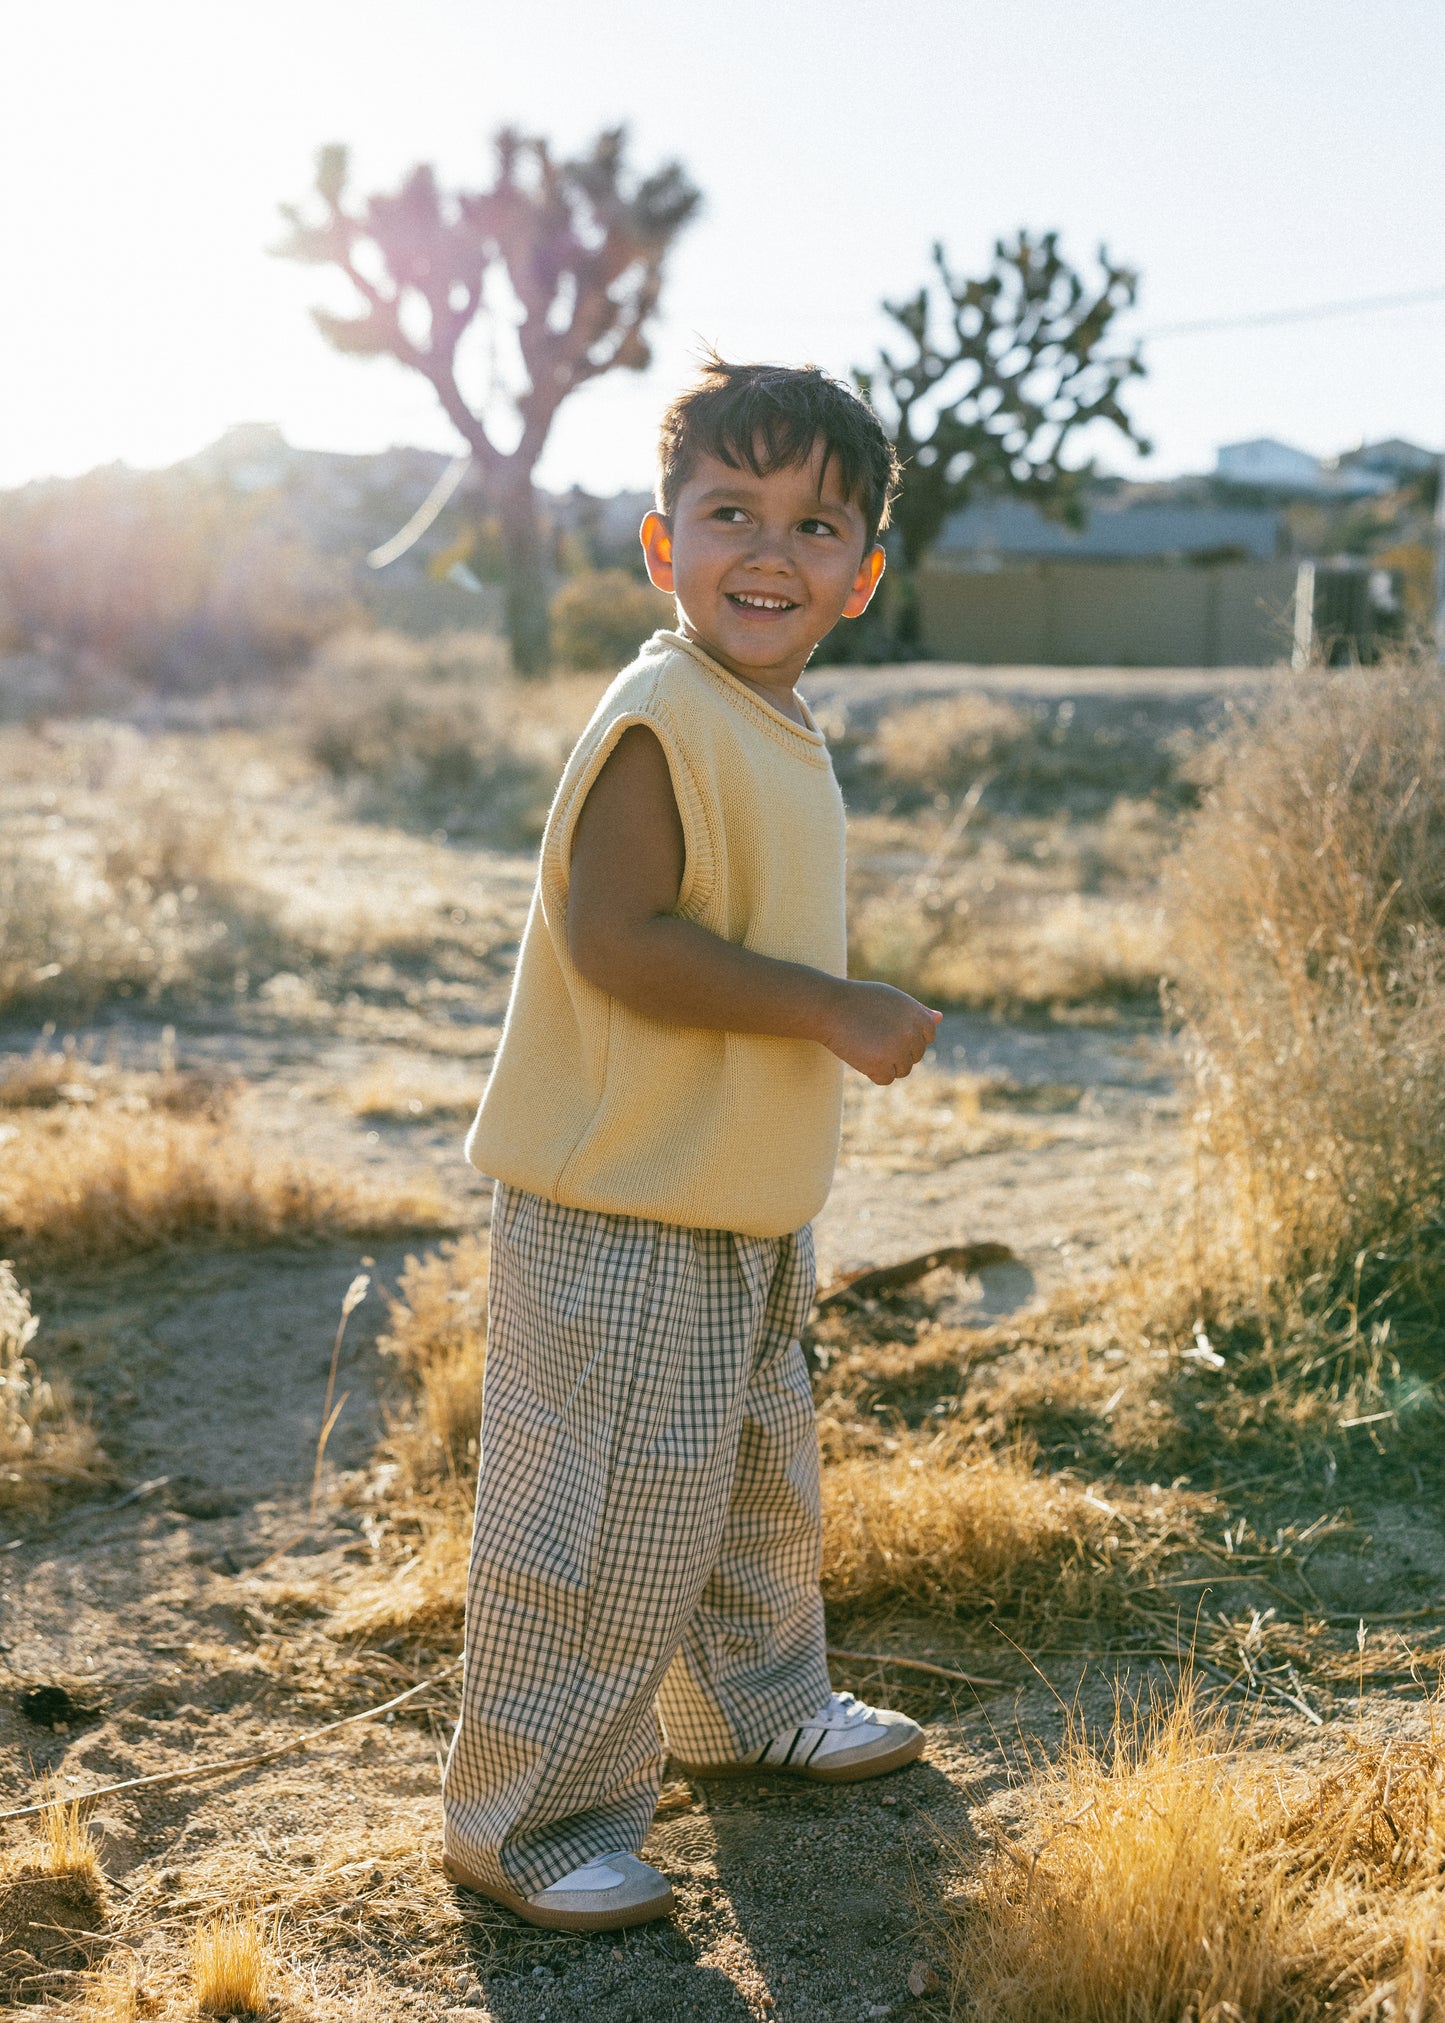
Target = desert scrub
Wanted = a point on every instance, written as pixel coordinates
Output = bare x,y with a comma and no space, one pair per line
436,734
437,1337
121,872
600,617
1002,912
1179,1868
1308,912
82,1186
44,1442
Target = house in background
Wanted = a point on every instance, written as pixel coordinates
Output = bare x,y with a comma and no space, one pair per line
1370,471
1144,583
1263,464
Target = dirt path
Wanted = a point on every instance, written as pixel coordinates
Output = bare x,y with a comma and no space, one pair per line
207,1375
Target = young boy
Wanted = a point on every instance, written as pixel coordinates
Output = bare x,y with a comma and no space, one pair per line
662,1121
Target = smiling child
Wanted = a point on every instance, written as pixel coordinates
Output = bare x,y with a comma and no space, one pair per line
662,1122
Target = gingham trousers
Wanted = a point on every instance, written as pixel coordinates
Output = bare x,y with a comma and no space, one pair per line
647,1537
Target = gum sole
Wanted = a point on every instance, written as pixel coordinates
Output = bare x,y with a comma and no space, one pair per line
560,1921
844,1773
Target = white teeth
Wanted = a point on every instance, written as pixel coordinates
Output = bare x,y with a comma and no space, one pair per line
764,603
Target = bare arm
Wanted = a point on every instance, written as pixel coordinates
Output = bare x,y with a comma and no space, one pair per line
624,936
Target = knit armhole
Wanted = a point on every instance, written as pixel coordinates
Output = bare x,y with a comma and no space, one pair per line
699,855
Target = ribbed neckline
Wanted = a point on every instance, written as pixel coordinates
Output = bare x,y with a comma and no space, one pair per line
807,738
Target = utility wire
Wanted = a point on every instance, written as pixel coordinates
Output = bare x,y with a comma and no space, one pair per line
1361,306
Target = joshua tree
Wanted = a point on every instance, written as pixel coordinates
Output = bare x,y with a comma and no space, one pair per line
1000,373
559,262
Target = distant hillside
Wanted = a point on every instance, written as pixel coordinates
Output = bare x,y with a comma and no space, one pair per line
237,562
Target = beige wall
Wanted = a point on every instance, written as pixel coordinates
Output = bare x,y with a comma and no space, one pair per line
1109,614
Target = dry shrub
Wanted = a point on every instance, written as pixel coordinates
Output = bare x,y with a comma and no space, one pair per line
600,617
436,733
1015,949
43,1440
1173,1873
942,746
133,884
1308,905
410,1091
230,1966
84,1188
438,1338
945,1523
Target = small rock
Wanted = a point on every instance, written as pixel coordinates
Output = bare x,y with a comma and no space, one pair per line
923,1979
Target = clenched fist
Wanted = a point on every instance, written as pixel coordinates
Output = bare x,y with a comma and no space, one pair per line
881,1031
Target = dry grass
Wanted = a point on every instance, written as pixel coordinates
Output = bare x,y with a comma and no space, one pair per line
926,1121
1177,1869
112,1997
230,1966
1011,912
86,1186
1308,907
943,746
436,734
940,1523
123,872
62,1846
44,1441
410,1091
437,1336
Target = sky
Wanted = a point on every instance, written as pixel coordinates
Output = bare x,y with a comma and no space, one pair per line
1246,155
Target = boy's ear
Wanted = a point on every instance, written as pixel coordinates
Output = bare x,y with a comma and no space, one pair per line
657,549
864,583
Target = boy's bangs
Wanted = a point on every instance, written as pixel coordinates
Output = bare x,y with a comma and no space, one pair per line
762,438
766,418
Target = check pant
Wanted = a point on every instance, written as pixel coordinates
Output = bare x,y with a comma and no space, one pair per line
648,1534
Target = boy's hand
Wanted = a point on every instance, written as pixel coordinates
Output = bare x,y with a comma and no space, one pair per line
881,1031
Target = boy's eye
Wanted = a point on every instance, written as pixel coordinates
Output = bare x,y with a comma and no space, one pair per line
729,515
816,526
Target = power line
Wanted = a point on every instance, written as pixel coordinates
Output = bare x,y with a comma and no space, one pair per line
1361,306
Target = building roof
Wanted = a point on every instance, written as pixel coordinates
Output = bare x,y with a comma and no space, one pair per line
1119,530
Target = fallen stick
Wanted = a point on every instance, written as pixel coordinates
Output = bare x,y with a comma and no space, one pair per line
904,1664
967,1257
227,1764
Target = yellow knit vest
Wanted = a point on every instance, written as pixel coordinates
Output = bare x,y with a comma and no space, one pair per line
600,1107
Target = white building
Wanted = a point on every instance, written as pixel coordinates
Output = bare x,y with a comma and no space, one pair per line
1271,465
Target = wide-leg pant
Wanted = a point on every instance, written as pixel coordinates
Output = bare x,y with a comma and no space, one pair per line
647,1538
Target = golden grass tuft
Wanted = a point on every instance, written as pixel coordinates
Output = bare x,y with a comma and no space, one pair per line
89,1187
944,1523
437,1335
1175,1870
112,1997
231,1966
62,1845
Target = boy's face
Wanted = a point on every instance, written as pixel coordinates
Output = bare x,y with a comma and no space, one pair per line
762,567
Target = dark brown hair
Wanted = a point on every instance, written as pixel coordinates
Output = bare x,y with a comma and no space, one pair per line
771,417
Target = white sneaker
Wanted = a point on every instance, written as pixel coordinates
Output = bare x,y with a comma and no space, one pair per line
844,1741
604,1895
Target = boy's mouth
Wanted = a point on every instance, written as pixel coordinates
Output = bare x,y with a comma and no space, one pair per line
757,600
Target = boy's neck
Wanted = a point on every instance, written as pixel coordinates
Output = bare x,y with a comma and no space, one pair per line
775,685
